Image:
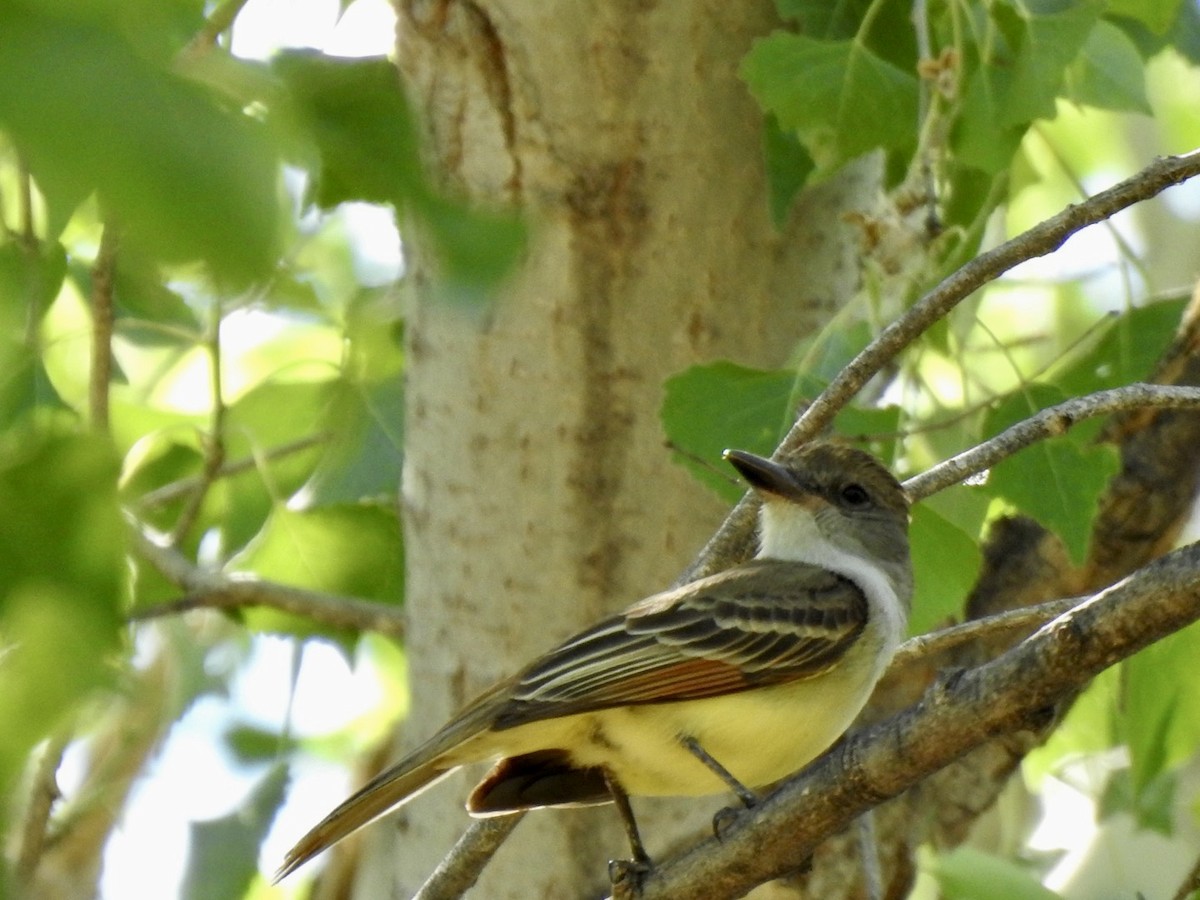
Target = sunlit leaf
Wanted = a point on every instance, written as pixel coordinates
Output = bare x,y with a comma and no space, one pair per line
713,407
1023,58
969,874
366,448
1090,727
186,177
61,550
367,147
1157,15
353,550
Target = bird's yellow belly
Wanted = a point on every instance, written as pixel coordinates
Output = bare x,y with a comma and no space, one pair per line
759,736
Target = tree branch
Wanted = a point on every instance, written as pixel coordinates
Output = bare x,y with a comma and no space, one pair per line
461,868
964,711
729,543
1050,422
214,590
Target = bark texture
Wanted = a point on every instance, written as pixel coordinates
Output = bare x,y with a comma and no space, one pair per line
538,492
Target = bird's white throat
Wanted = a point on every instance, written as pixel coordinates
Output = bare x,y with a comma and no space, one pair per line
789,532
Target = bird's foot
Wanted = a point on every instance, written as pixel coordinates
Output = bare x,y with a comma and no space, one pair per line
627,875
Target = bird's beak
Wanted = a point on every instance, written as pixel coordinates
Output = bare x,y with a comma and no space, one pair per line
766,476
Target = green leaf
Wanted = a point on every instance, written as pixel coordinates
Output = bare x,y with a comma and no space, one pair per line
1056,481
1161,708
358,118
1126,352
1153,806
62,544
273,414
1090,727
788,167
1157,15
1023,57
477,247
187,177
946,563
1048,44
352,550
223,859
366,452
1109,73
840,98
366,144
710,408
822,19
251,744
969,874
713,407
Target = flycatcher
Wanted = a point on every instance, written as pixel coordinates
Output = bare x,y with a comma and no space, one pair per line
732,681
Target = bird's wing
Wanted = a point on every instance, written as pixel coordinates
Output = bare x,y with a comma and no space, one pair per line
762,623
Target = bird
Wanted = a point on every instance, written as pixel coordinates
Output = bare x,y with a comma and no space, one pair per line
729,682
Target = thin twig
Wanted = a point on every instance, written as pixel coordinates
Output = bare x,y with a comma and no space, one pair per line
103,317
935,642
220,21
213,442
216,590
184,486
42,796
1048,423
1190,884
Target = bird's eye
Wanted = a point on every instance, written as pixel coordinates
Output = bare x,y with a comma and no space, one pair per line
855,495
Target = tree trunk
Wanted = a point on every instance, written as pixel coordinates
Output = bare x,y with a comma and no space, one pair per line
538,492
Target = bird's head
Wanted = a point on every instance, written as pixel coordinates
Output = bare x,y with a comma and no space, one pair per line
831,506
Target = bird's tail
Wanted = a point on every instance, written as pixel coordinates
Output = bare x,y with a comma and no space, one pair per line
386,790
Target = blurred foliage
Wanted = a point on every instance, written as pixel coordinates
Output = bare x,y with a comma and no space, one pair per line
252,417
186,211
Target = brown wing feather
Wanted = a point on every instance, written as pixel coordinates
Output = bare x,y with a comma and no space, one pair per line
760,623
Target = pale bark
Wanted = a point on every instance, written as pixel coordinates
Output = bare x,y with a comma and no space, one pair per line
538,492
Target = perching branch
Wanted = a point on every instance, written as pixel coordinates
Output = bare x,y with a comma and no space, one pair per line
1006,695
215,590
461,868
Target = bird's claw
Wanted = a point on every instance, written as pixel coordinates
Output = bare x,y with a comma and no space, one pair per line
627,875
724,820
